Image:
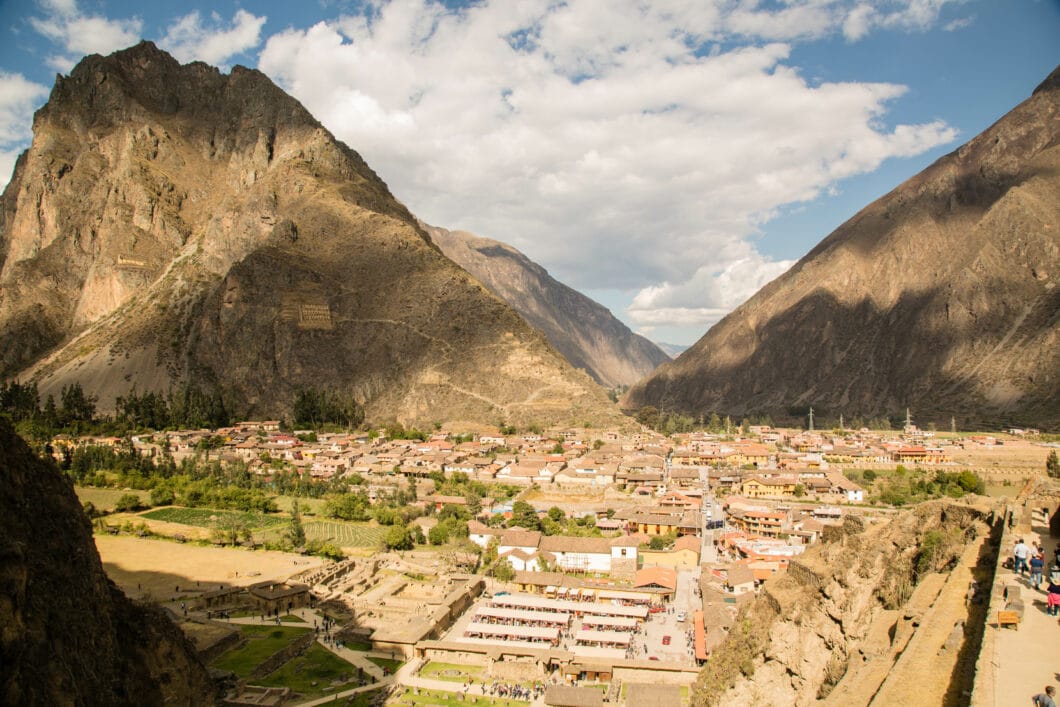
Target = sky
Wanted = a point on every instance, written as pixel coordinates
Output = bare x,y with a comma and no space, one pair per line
665,157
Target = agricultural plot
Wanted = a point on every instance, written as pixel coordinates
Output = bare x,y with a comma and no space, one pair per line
206,518
105,499
344,534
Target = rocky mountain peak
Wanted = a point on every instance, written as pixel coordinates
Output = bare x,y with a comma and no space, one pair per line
175,225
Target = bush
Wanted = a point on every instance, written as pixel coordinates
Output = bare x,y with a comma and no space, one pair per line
162,496
438,535
129,502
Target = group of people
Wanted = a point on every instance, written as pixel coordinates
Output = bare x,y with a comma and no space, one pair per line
1030,560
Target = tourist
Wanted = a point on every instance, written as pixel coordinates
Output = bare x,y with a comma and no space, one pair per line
1054,598
1020,554
1037,565
1045,699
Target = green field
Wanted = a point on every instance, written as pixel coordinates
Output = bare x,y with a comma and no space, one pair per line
206,517
311,672
448,699
451,672
388,663
104,499
262,642
344,534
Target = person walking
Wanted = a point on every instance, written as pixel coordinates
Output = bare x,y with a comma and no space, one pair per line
1037,565
1020,554
1045,699
1053,600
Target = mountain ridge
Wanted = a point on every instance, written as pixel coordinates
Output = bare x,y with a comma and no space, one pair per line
584,331
939,296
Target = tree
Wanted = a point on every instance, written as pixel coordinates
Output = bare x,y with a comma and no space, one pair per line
503,570
296,532
648,416
800,491
398,538
524,515
438,535
162,496
556,513
1052,465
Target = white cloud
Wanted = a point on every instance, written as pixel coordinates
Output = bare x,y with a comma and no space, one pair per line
612,142
78,34
19,97
711,293
189,38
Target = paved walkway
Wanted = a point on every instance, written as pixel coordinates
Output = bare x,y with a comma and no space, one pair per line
1025,655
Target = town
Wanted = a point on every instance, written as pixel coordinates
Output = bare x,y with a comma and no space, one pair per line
567,566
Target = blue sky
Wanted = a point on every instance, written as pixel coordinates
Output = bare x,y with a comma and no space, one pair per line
666,158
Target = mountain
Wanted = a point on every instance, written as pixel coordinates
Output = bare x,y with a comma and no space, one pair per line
585,332
940,296
172,225
70,636
672,350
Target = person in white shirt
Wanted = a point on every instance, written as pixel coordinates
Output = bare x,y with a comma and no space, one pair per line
1021,552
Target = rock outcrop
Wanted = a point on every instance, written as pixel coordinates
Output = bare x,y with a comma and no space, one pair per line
174,224
851,601
941,297
68,636
584,331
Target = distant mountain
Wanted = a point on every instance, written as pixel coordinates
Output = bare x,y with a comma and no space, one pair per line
941,296
585,332
172,224
672,350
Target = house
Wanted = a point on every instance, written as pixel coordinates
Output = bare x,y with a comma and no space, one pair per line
519,539
761,486
522,561
663,579
576,554
841,485
683,555
740,580
481,534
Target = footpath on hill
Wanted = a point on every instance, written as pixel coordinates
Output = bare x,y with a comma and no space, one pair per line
1023,659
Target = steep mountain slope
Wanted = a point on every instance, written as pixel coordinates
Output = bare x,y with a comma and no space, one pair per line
585,332
174,224
70,637
940,296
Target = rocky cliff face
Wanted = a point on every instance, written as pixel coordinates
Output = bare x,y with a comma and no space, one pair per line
69,636
171,223
941,296
843,612
585,332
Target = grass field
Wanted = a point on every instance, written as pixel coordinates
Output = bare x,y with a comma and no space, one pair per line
448,699
262,641
104,499
311,672
206,517
389,664
451,672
